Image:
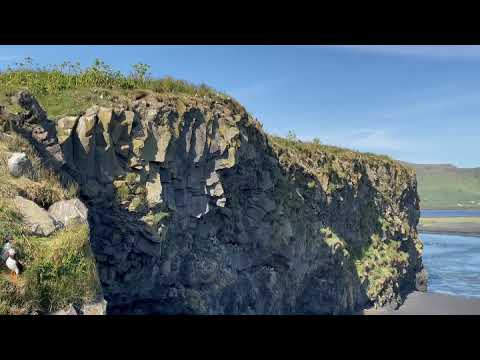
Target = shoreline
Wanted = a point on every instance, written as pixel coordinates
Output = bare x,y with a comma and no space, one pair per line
466,209
449,232
430,303
426,303
467,226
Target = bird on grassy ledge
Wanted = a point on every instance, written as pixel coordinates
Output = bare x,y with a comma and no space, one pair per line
6,246
13,264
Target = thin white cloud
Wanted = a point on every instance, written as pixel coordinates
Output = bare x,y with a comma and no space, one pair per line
431,105
251,91
6,58
375,140
257,90
430,51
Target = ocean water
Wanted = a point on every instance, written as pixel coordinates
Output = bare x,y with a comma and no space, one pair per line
453,264
449,213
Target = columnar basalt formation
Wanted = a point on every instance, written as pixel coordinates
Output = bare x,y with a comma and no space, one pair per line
194,209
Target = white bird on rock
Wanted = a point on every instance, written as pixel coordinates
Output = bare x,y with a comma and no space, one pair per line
13,264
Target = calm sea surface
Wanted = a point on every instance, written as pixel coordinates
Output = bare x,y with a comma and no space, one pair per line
449,213
453,264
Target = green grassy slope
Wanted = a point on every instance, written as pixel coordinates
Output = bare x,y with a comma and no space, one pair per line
68,89
59,269
448,187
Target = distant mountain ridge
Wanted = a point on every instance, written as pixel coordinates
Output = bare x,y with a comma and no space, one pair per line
445,186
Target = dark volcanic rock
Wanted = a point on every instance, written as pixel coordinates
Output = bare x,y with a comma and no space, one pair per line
193,209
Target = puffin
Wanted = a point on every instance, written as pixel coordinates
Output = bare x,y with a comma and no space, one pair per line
6,246
13,264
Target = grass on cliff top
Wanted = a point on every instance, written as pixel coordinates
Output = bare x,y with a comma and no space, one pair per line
306,149
325,161
59,270
332,168
67,88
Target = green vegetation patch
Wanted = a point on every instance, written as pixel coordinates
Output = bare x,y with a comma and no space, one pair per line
381,264
448,187
335,242
59,270
11,222
156,219
43,188
308,148
333,167
68,89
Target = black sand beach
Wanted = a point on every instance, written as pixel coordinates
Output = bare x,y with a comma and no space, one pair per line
419,303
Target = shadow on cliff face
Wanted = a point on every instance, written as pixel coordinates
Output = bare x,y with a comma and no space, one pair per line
174,271
330,284
255,255
240,239
293,269
354,214
357,215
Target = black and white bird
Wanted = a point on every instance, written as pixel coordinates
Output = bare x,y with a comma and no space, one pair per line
7,246
13,264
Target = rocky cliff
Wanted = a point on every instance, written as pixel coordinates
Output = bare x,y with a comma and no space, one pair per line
194,209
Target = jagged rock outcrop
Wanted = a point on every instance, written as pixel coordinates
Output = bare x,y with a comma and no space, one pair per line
421,280
37,220
193,209
98,308
69,212
64,312
19,165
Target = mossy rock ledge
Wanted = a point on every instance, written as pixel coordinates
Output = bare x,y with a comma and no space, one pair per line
193,209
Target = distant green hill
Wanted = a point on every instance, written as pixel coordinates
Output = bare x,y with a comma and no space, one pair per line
448,187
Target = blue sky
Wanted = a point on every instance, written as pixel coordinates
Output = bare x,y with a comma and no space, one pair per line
414,103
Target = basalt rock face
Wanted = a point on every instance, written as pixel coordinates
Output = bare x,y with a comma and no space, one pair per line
194,209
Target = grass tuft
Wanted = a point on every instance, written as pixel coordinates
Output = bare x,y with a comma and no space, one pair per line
68,89
380,263
59,270
42,186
